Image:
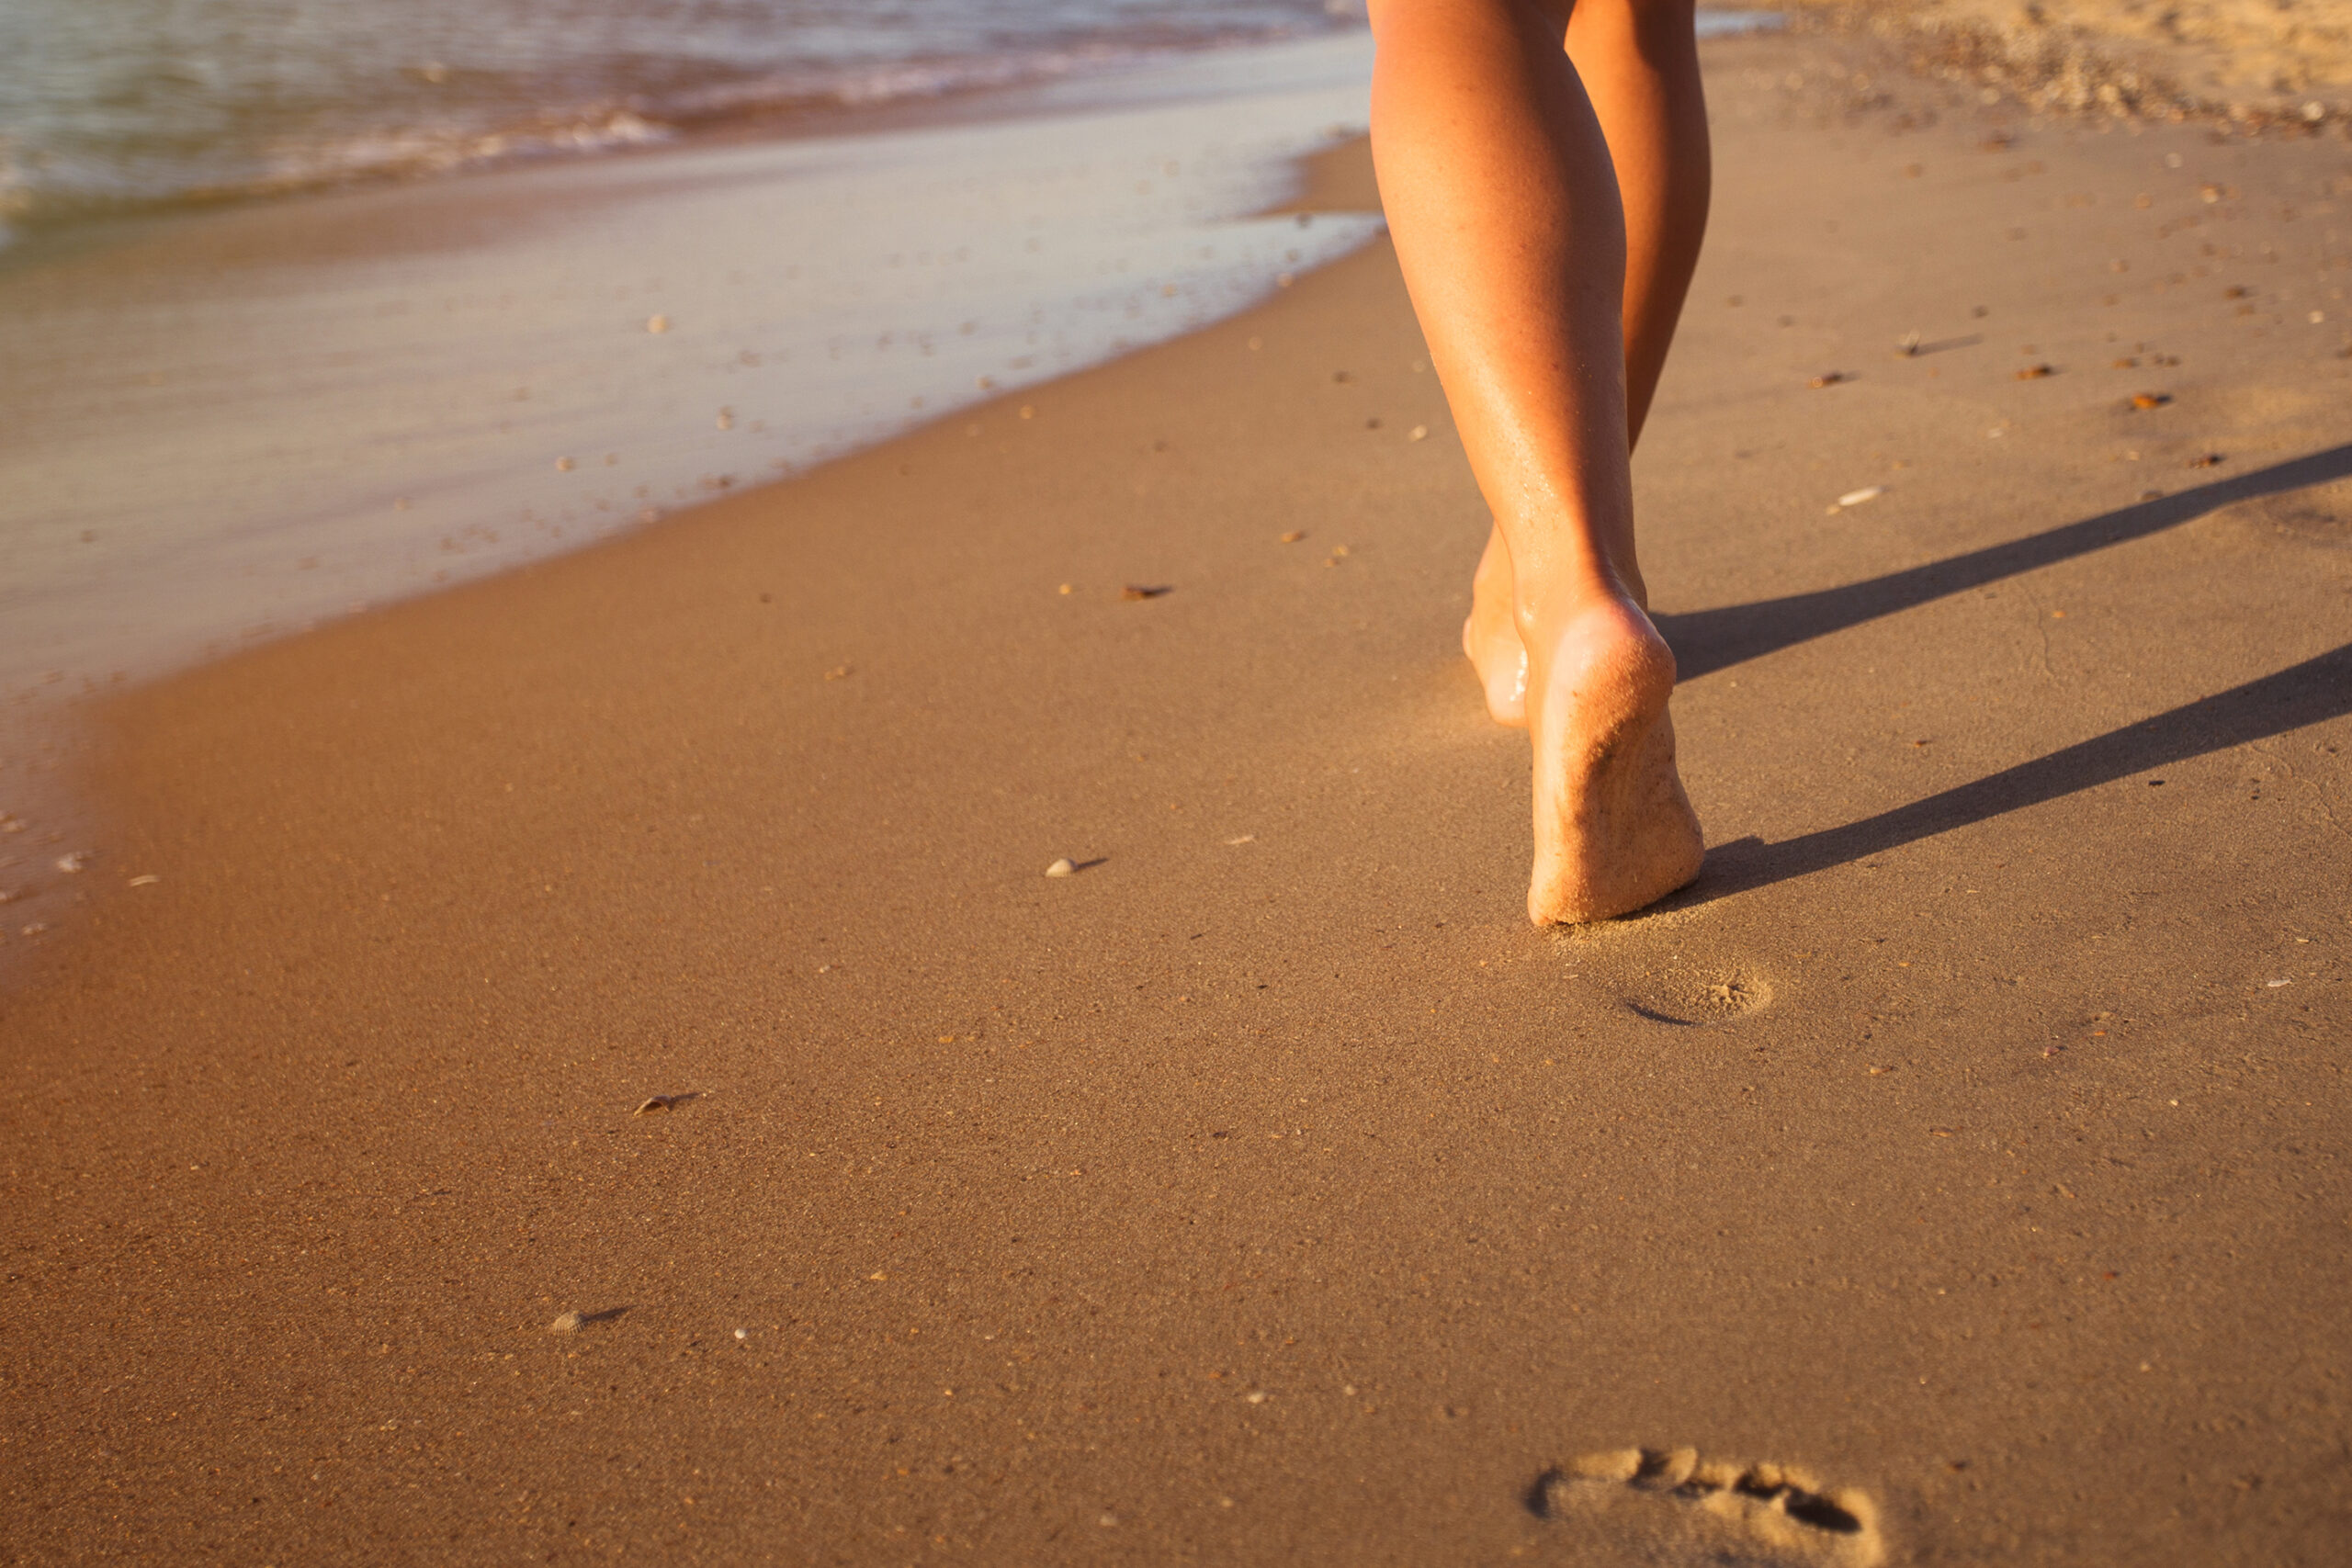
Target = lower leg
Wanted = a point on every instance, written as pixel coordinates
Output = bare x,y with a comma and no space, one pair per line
1505,212
1638,60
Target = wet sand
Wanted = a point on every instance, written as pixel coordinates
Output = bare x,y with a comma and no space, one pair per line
1970,1141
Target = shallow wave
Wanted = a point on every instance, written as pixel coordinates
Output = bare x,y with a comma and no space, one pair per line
134,141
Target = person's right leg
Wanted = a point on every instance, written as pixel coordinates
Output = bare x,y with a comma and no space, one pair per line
1505,212
1639,63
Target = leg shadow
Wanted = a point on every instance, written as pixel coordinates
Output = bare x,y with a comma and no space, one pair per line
1708,640
2306,693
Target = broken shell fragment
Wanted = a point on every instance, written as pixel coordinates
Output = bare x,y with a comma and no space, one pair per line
1855,497
75,861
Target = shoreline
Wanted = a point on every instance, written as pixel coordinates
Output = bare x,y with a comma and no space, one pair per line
239,425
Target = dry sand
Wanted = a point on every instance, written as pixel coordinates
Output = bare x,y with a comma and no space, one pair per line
2249,61
1971,1140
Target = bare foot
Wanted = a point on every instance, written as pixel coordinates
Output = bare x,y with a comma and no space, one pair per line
1490,637
1613,830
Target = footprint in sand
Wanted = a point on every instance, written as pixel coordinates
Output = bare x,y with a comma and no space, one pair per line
1669,1507
1687,998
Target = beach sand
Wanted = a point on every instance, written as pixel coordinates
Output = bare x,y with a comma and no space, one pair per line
1961,1163
2249,61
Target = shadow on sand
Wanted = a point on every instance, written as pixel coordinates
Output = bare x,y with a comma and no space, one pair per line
1707,640
2308,693
2305,693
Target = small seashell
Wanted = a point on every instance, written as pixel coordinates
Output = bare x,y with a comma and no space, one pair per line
148,881
1419,433
569,1322
657,324
74,861
1855,497
1062,867
742,1334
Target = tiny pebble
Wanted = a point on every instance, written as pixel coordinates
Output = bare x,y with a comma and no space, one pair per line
1294,536
1419,433
1062,867
1831,378
2150,399
657,324
1855,497
568,1324
1065,588
564,464
1257,1397
742,1334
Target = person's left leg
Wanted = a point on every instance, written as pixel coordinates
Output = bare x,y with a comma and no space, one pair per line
1639,63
